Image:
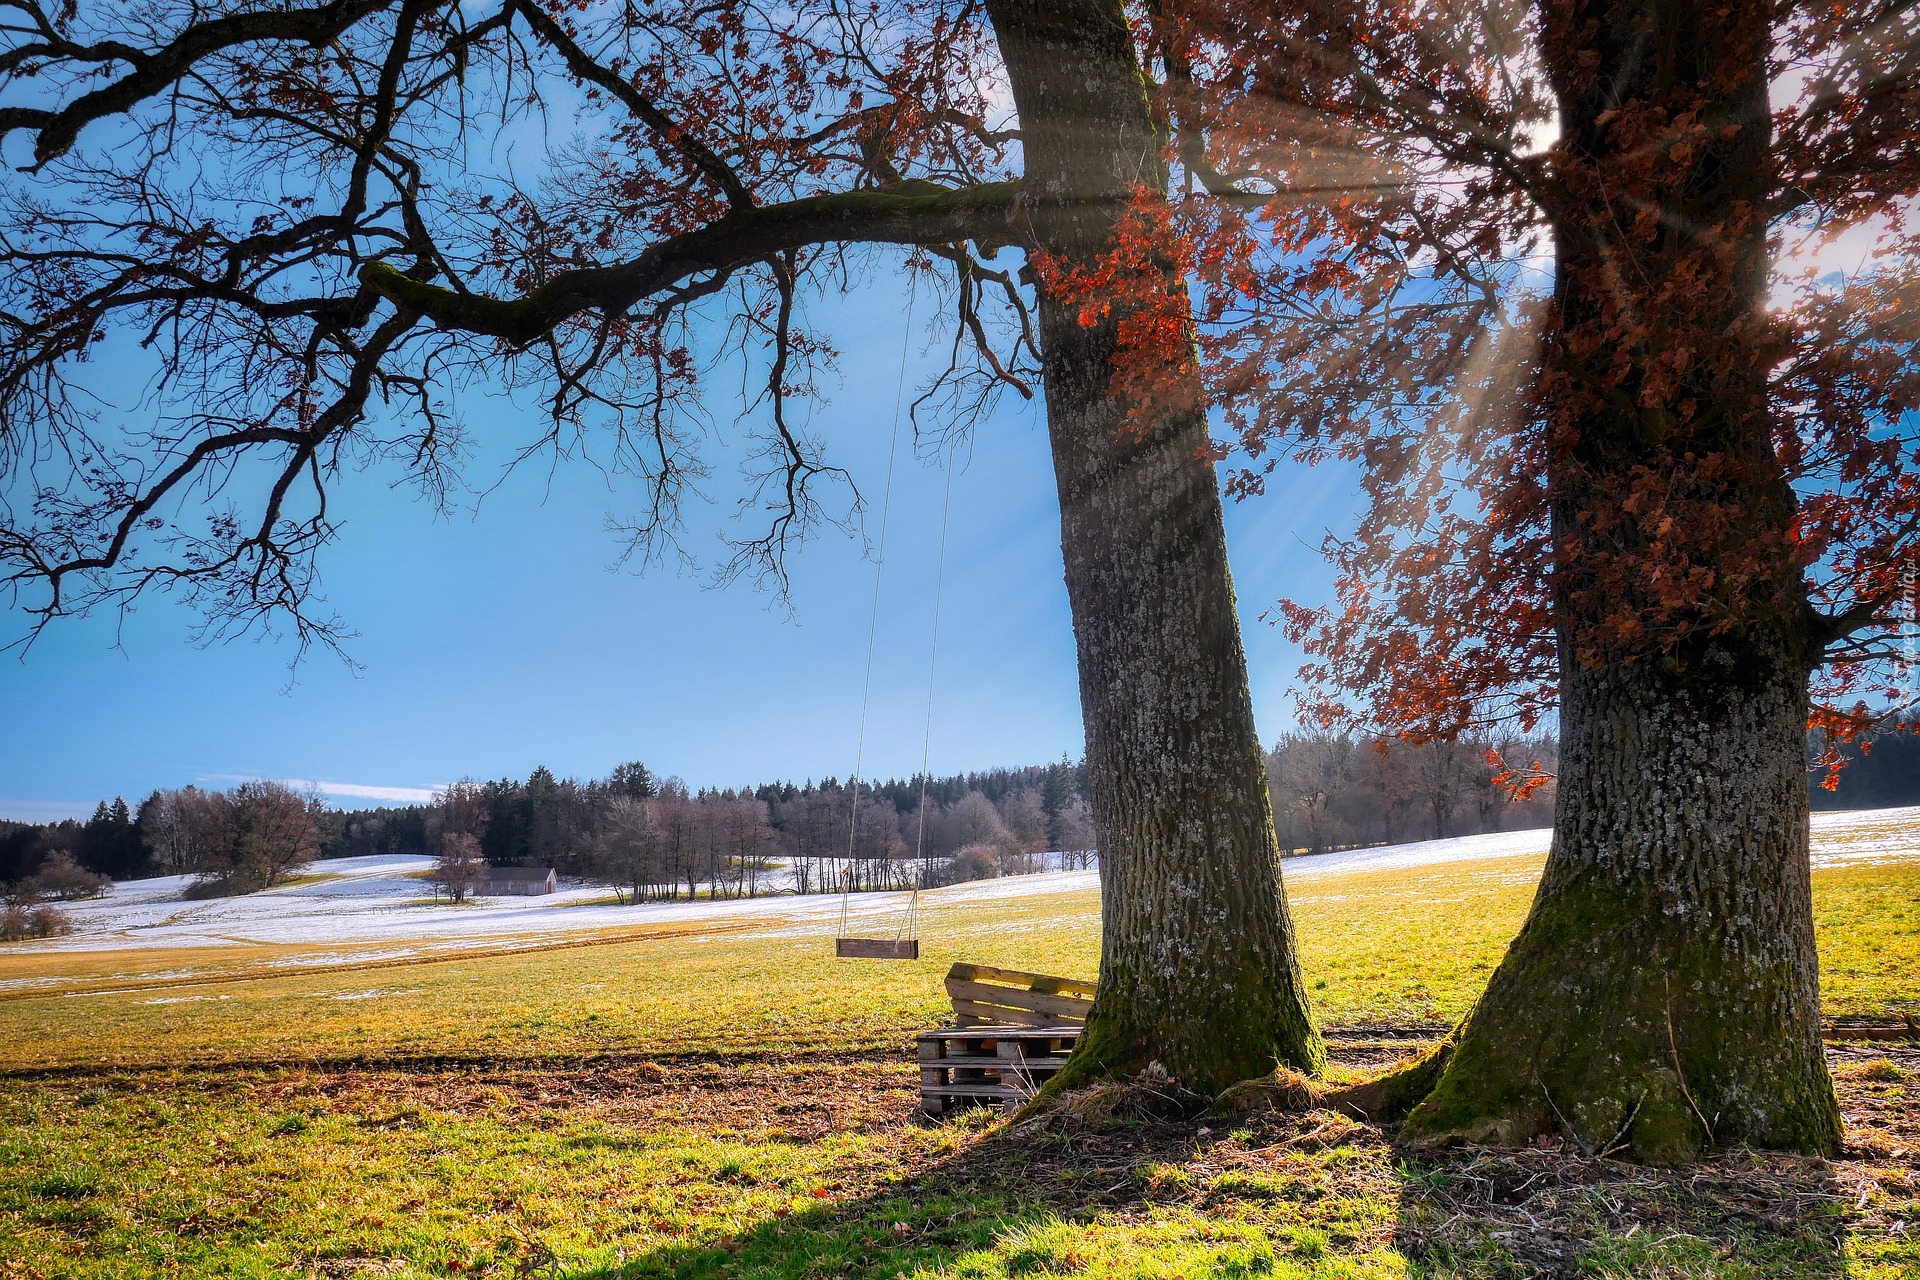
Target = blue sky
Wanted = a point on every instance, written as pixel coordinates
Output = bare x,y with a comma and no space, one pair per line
495,642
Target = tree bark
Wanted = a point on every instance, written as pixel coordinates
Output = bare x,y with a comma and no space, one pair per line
1198,971
1663,994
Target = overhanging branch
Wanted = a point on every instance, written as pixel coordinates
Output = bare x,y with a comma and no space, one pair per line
154,71
906,213
670,132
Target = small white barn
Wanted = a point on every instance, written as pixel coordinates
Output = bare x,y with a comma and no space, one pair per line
525,882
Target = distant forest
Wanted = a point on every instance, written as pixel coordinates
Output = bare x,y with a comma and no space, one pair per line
1885,776
655,837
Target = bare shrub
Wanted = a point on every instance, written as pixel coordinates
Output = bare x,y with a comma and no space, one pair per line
976,862
456,828
20,923
63,878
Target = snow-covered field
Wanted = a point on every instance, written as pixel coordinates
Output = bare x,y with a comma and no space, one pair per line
370,900
363,903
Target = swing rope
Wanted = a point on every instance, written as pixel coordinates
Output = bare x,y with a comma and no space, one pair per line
873,621
926,742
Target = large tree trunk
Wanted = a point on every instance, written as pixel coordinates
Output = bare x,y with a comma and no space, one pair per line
1198,971
1664,991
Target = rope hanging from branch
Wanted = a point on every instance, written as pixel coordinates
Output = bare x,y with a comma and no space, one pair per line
905,937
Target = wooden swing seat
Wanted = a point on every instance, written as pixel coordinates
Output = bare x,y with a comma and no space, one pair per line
876,948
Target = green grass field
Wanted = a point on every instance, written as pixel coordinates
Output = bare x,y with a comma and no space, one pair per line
734,1104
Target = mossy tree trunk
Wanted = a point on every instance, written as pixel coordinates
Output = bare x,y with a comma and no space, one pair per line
1663,993
1198,971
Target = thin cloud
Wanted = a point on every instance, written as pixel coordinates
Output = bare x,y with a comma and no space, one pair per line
43,811
342,790
358,791
38,811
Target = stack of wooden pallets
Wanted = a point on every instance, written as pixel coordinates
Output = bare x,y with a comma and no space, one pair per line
1012,1032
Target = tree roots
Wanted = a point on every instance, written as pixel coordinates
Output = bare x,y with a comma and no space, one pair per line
1387,1096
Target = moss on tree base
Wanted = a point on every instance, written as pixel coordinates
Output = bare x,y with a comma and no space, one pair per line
1208,1056
1378,1099
1659,1125
1656,1034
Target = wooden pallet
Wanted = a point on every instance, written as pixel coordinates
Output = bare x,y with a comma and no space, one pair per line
1855,1029
985,996
999,1066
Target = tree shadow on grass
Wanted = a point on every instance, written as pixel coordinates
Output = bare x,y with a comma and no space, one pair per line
1013,1199
1133,1190
1557,1213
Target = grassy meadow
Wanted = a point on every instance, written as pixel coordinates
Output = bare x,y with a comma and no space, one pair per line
705,1102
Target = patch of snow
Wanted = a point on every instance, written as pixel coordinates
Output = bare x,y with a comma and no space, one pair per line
375,900
1422,853
1838,838
1865,835
1015,887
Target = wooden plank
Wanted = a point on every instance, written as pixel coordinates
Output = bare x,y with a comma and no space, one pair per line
1031,1031
943,1099
1010,1101
986,1060
1053,1062
1031,1001
1053,984
974,1091
1868,1033
877,948
999,1015
1045,1056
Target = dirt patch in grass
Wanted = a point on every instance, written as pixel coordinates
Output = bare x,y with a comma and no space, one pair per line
1556,1212
789,1099
798,1165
